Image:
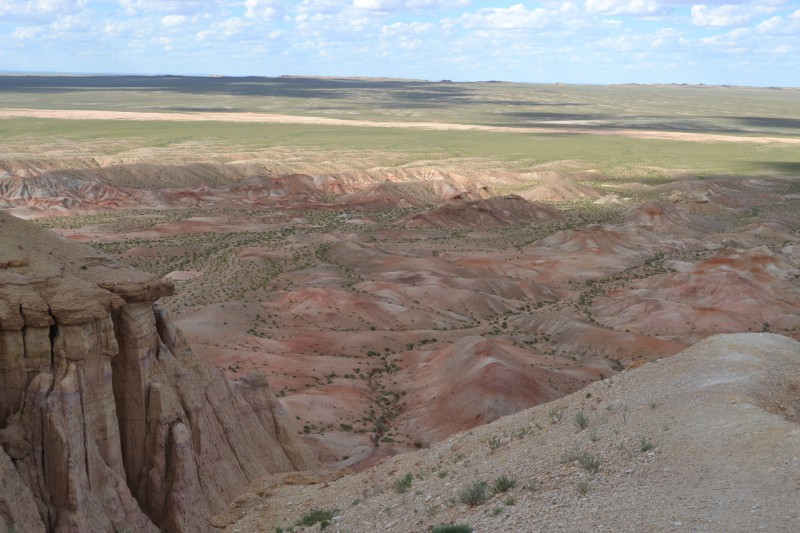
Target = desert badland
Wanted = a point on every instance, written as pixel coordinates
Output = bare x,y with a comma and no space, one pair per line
405,262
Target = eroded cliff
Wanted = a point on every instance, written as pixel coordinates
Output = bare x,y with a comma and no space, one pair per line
108,422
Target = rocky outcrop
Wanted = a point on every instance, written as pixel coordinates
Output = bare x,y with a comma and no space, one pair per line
107,420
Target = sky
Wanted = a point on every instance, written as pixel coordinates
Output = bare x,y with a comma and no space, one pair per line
591,41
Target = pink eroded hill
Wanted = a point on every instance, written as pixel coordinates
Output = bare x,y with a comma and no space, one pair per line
668,218
401,194
555,187
733,290
497,211
477,380
46,192
584,339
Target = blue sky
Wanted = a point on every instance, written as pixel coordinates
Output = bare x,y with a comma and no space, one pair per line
590,41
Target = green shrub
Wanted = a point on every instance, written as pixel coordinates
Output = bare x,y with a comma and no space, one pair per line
503,484
317,516
475,494
455,528
645,445
403,484
581,420
589,462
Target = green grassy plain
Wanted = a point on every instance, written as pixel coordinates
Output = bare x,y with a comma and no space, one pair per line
615,157
733,111
730,110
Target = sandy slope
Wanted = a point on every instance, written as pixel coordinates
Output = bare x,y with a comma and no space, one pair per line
707,440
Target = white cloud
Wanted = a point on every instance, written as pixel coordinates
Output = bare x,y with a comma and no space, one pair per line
510,18
263,9
234,26
733,39
781,26
172,21
623,7
403,28
186,7
376,5
27,9
663,39
723,16
322,6
23,34
393,5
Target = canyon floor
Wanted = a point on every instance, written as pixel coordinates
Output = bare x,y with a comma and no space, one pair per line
399,285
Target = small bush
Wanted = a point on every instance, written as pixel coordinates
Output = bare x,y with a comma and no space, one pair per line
582,486
317,516
403,484
589,462
494,443
503,484
455,528
475,494
645,445
581,420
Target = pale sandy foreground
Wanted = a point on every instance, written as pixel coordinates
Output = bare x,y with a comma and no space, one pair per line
719,419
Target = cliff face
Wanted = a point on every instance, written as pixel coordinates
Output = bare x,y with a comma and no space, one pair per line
107,421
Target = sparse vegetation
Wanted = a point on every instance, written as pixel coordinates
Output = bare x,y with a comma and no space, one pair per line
455,528
503,484
403,484
589,462
475,493
556,415
317,516
645,445
581,420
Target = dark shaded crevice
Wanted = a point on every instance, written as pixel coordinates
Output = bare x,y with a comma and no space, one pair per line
24,327
118,388
169,477
85,429
53,335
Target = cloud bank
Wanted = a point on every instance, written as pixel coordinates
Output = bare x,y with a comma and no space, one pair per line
591,41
